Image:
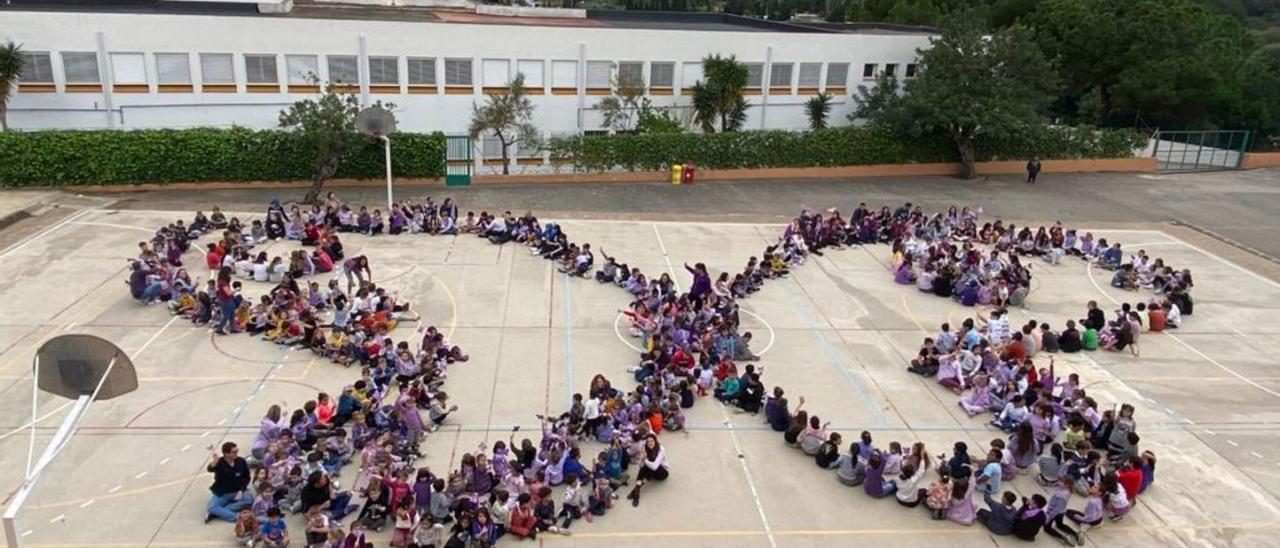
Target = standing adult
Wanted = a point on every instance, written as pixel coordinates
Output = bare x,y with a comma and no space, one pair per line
356,268
701,281
1033,169
230,485
226,301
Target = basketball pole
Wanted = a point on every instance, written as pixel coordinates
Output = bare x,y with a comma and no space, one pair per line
60,438
386,142
59,441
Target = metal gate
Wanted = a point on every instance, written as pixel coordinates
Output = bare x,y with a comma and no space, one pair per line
458,162
1199,150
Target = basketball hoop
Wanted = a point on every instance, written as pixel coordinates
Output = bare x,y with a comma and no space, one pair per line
378,122
375,122
82,368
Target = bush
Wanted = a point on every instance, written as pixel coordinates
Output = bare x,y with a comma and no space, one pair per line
842,146
203,154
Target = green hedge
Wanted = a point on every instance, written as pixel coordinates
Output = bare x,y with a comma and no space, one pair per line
205,154
842,146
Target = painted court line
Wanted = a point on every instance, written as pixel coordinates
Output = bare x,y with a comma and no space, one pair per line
1230,371
663,247
751,484
1089,273
23,244
568,338
834,356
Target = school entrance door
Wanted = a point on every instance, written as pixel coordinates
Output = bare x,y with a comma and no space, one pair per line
1199,150
457,160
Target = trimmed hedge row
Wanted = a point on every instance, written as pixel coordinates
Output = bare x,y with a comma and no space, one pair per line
203,154
842,146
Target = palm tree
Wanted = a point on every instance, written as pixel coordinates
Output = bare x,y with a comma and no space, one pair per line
10,69
717,98
817,108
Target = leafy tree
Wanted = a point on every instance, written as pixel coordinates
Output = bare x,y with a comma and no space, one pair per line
972,86
629,111
877,102
1158,62
621,111
10,69
817,108
659,121
508,116
717,98
324,125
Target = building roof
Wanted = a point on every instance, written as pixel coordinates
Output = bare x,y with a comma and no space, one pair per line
615,19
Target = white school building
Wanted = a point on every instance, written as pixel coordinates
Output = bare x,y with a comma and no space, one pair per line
129,64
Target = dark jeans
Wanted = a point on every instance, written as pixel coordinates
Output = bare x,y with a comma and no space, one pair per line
227,321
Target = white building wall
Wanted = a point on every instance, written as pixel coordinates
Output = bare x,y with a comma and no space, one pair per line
555,114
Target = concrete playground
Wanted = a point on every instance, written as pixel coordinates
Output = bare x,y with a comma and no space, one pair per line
837,331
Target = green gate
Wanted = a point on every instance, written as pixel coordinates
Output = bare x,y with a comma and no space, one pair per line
1199,150
458,162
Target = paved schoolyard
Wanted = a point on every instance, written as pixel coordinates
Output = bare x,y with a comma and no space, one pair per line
837,331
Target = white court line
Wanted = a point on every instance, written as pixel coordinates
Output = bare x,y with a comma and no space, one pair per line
68,403
1210,432
751,484
1233,443
27,533
623,339
58,517
88,503
185,448
18,247
772,336
116,488
1223,367
112,225
1255,453
165,461
663,247
1269,281
1089,272
153,338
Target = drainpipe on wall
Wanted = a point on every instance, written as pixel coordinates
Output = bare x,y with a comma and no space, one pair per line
363,71
582,84
764,84
104,72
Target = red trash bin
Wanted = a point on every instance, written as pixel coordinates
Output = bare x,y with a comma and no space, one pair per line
688,174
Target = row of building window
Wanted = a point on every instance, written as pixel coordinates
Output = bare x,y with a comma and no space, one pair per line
263,69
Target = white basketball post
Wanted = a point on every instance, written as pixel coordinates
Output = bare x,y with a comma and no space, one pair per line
378,122
386,145
81,367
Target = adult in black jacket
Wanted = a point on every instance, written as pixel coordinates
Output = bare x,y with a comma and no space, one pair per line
230,484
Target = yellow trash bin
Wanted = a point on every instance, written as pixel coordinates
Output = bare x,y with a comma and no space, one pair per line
677,173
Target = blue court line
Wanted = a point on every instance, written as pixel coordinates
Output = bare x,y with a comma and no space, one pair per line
833,355
568,337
